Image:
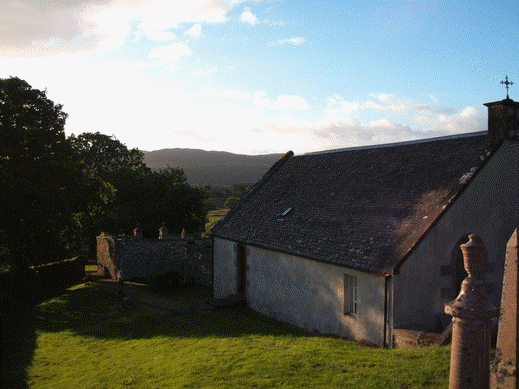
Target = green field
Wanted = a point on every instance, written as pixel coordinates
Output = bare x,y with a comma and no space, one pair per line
57,344
213,217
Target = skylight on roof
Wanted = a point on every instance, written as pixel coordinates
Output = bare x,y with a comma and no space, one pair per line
286,212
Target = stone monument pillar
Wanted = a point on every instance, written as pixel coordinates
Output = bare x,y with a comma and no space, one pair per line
504,369
471,314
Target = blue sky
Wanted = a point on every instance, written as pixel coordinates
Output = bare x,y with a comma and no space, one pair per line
259,77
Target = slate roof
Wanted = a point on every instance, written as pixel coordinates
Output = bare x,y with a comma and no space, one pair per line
363,208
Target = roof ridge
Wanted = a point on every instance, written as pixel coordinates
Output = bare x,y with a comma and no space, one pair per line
416,141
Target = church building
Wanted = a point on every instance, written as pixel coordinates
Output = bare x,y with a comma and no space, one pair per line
361,241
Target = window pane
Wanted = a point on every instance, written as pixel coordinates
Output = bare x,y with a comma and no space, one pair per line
346,294
353,294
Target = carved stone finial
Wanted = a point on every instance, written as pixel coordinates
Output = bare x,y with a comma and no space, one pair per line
471,314
163,231
472,302
138,231
474,255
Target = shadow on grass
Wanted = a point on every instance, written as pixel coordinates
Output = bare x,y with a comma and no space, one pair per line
77,309
18,342
19,318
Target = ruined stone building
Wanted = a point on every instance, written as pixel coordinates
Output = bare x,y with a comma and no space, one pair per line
127,257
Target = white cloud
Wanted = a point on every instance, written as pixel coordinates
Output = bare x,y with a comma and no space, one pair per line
384,103
207,72
382,123
471,119
297,41
171,53
338,105
160,35
170,66
290,102
160,15
262,104
389,102
227,93
283,102
248,17
194,31
144,65
236,95
332,132
30,28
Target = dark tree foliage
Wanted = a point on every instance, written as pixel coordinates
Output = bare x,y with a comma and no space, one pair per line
238,190
223,197
231,202
32,127
141,196
43,193
106,157
166,197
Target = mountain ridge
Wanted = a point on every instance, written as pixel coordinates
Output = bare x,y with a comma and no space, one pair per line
217,168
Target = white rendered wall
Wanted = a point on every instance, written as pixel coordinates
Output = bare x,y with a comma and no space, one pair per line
225,273
310,295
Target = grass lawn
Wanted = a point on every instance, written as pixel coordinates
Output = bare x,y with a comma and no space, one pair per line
212,349
90,268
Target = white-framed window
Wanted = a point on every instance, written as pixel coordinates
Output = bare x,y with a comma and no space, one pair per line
350,295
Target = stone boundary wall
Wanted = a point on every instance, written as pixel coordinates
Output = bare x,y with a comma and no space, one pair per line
123,258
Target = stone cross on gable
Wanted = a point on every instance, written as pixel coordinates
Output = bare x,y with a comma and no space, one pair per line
507,83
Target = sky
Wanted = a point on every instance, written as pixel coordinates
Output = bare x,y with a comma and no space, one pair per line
258,77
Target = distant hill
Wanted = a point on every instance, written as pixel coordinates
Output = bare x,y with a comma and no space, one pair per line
217,168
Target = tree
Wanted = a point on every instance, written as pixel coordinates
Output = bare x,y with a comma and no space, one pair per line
180,205
238,190
231,202
32,127
162,196
105,156
141,195
43,192
107,159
